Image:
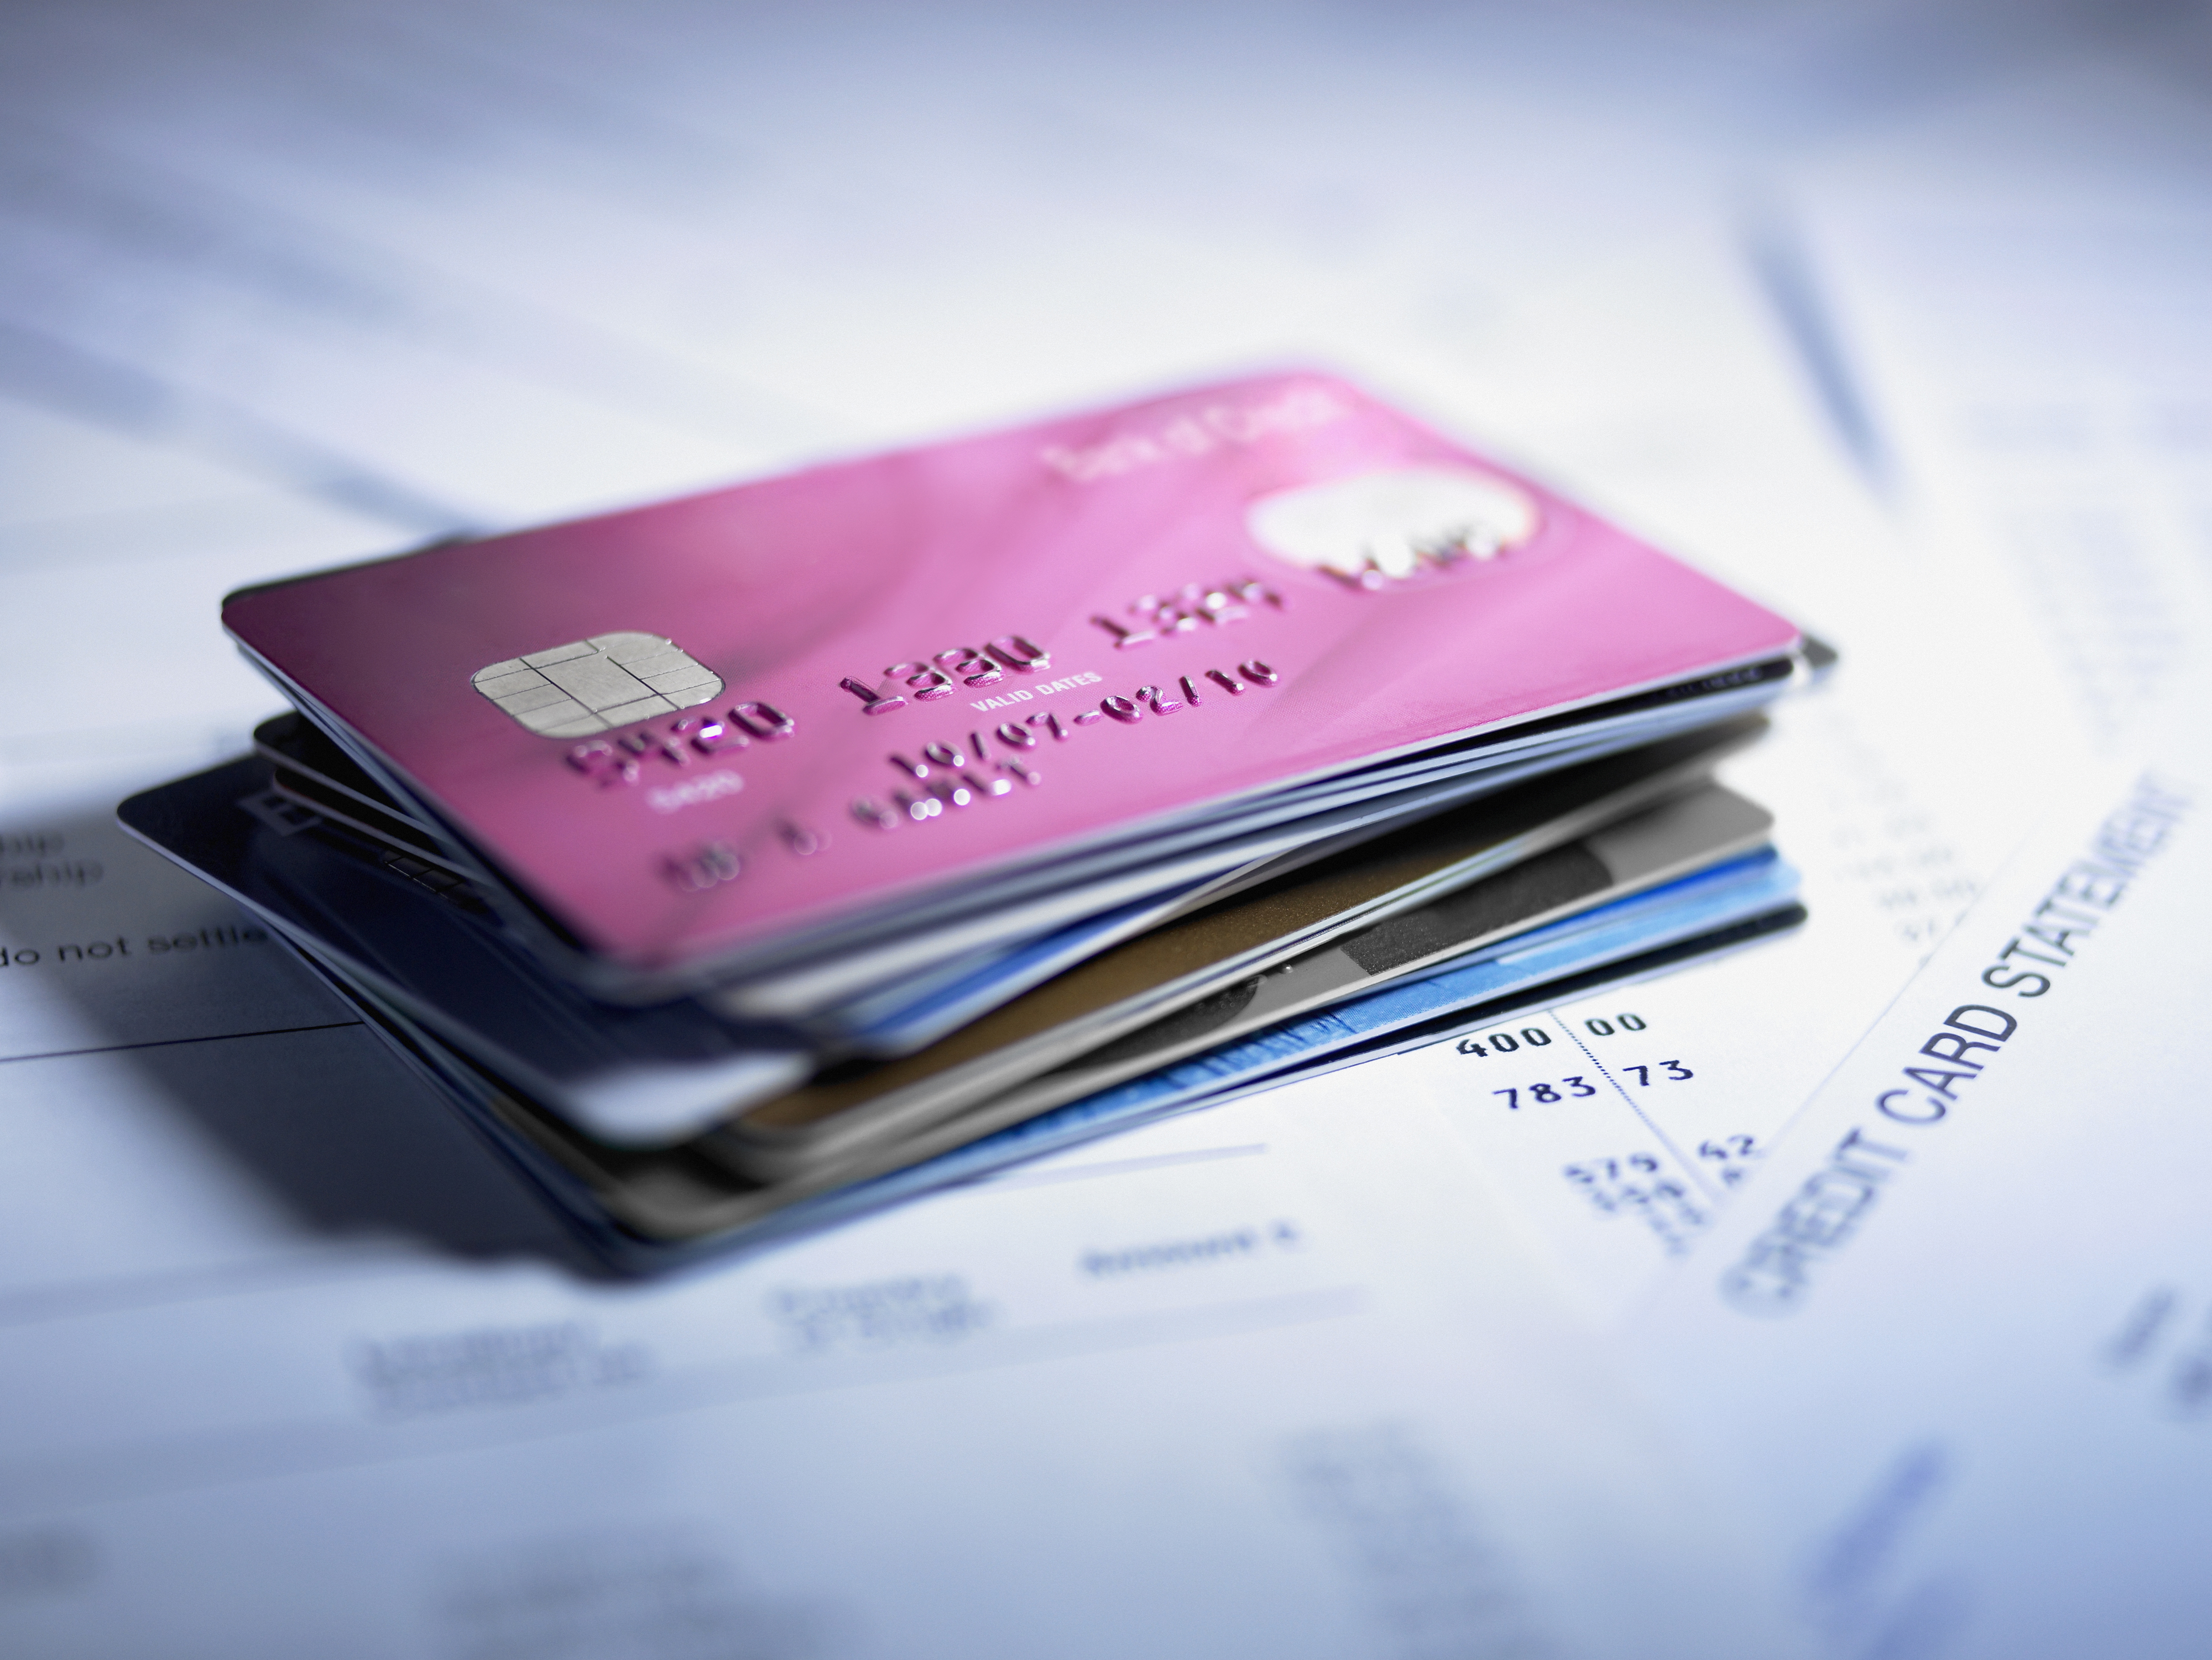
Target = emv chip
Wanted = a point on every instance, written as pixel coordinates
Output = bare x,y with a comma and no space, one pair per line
589,685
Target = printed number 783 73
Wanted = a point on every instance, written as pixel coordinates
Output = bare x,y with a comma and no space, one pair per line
1574,1087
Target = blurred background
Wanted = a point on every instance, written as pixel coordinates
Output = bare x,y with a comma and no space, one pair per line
281,282
1892,312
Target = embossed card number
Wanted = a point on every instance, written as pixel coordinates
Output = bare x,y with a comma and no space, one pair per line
710,863
615,761
1154,617
948,776
708,866
965,665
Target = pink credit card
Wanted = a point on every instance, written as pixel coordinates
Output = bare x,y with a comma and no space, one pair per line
690,729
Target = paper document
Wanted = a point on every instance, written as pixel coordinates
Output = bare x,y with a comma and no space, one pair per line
265,1301
295,1367
1212,1358
1893,814
2024,311
1955,1330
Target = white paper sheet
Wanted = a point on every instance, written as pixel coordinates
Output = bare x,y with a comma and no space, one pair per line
1955,1330
268,1304
1897,787
296,1368
2025,310
264,1304
2015,281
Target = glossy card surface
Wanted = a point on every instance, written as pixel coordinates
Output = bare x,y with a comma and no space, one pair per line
1545,893
693,727
650,1209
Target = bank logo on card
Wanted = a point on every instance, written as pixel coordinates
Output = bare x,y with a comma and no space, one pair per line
1392,523
589,685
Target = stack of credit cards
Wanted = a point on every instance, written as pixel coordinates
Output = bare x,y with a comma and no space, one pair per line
741,860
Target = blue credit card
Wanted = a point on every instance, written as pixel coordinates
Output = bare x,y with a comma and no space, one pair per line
1759,884
643,1213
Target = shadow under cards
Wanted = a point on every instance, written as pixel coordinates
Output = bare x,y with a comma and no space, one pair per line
110,950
